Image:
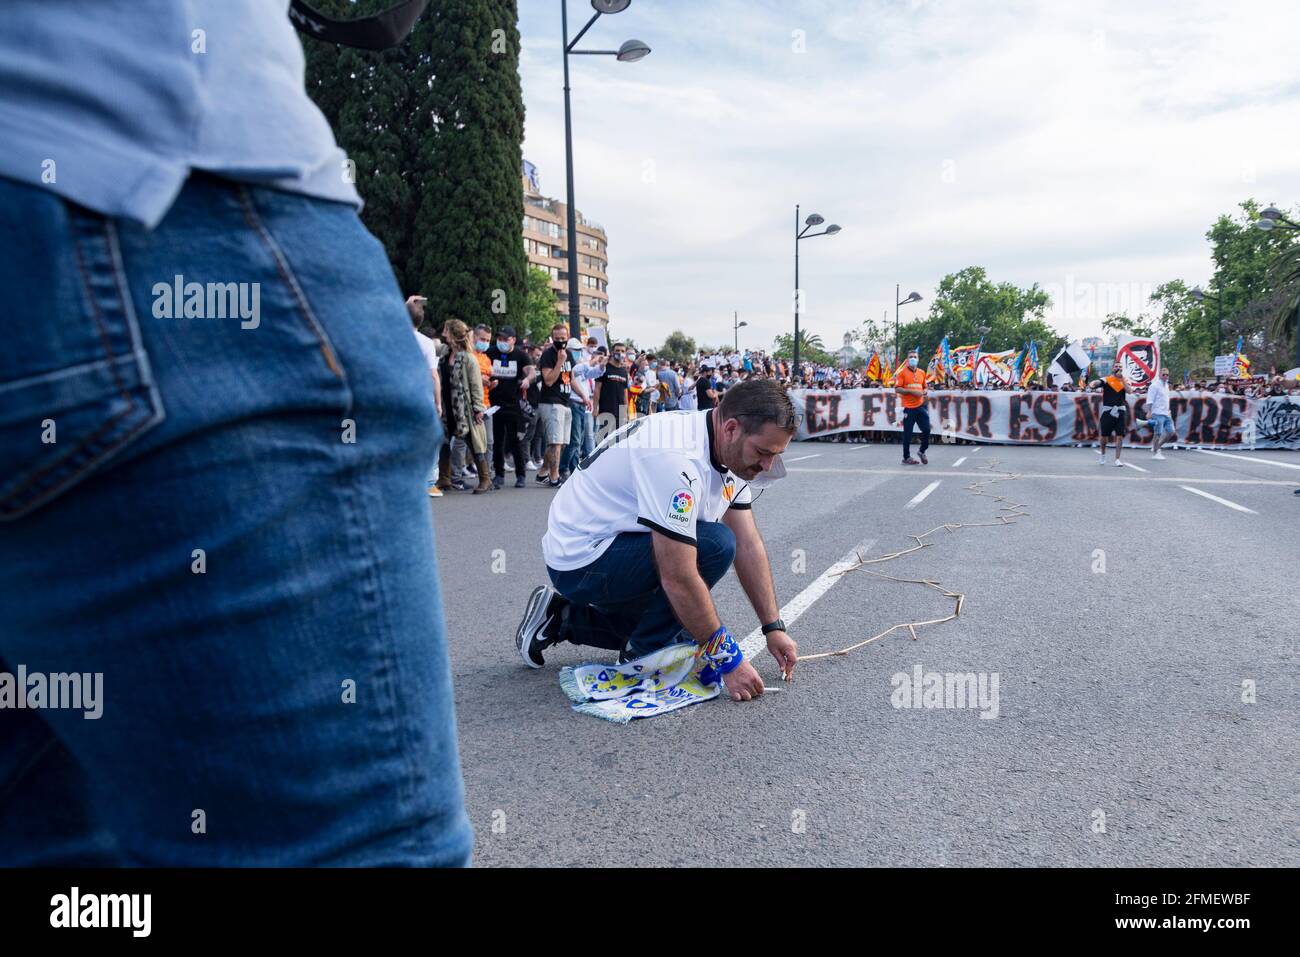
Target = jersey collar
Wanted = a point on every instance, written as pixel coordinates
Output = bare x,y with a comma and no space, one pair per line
713,459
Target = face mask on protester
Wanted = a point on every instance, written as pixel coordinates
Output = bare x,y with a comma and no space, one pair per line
503,346
911,362
480,346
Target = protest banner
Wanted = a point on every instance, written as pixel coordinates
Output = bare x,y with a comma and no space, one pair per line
1205,419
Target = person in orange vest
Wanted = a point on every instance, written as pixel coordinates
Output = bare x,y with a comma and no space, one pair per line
909,384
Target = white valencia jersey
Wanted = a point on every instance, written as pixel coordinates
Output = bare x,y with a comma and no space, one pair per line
656,472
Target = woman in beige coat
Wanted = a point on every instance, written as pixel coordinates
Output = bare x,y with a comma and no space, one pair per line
466,415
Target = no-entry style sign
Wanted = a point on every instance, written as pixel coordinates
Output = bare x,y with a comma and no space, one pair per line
1140,359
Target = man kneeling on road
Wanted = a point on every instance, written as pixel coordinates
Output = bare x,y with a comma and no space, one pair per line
650,522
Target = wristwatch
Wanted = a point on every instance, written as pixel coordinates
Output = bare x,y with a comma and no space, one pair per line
772,626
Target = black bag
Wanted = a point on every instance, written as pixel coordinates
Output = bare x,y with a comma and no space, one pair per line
380,32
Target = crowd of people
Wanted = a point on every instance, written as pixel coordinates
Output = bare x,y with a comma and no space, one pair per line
510,403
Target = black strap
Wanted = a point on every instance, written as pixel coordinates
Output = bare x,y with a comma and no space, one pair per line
380,32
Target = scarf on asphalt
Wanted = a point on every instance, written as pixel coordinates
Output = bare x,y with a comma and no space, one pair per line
657,683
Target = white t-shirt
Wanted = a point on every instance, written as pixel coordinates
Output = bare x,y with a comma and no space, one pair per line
429,348
656,473
1157,398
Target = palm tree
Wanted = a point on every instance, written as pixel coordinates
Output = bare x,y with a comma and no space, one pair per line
1284,275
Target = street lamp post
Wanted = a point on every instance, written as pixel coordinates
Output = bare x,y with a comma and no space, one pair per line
799,234
735,329
629,52
899,303
1270,219
1200,296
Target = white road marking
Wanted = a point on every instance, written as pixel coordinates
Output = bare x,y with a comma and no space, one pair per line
960,460
1250,458
756,641
1221,501
978,448
802,457
921,495
1092,475
1130,465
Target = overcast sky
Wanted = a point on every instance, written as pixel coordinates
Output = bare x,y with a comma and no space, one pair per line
1083,146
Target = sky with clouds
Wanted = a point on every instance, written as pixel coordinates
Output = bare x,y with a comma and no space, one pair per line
1086,147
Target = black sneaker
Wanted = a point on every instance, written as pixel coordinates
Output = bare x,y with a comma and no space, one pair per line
542,477
521,482
556,484
541,625
498,481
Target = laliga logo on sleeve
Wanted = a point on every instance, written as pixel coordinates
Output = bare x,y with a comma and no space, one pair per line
679,509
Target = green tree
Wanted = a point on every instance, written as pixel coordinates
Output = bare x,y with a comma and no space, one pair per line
968,299
434,129
1284,273
540,313
1254,298
811,348
1179,322
678,347
469,254
872,333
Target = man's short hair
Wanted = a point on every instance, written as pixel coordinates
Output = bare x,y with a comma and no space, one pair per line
757,402
480,328
559,325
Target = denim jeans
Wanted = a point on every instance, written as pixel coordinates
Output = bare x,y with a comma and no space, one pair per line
230,525
581,438
914,418
618,600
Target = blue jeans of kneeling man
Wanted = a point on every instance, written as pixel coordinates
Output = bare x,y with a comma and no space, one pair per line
618,599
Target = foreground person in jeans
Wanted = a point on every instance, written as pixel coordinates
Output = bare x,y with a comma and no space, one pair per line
210,494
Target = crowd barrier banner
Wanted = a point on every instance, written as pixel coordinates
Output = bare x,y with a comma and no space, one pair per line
1205,419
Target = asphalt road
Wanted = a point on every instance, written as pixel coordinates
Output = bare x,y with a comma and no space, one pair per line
1119,696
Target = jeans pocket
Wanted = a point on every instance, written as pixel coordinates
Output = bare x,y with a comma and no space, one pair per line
75,383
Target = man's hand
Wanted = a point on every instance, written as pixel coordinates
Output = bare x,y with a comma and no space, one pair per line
785,651
744,683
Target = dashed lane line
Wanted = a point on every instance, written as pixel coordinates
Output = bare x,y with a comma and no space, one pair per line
1221,501
922,495
1250,458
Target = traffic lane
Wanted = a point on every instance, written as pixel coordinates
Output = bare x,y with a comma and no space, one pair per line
868,783
1103,712
785,779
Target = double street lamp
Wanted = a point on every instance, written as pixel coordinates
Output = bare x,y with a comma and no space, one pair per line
799,234
629,52
1270,219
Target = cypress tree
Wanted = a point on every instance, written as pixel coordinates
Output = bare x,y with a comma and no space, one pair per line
468,252
435,129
